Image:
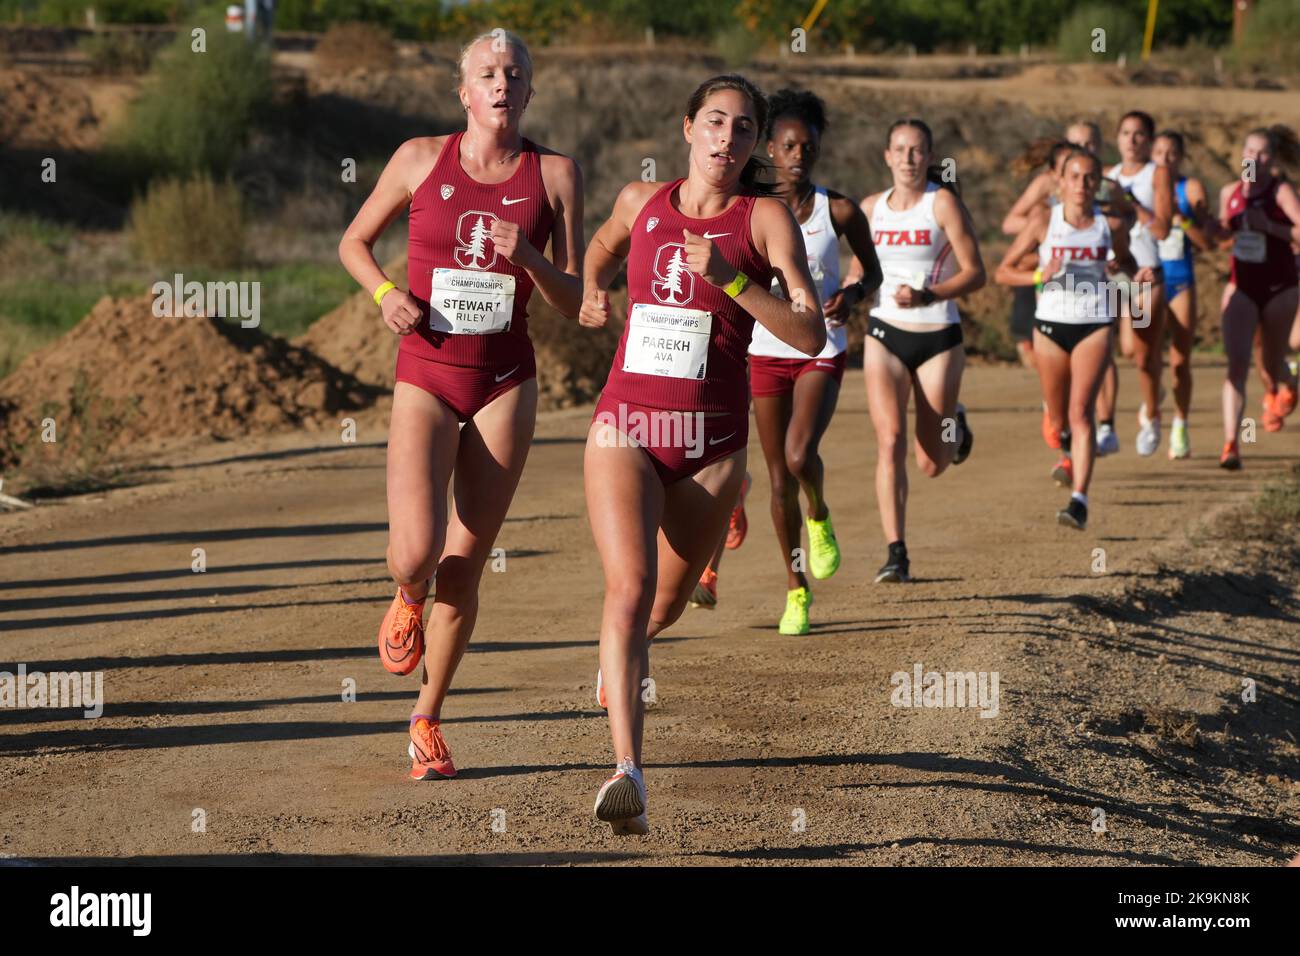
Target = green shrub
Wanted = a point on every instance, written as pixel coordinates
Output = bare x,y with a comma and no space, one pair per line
196,222
1123,34
197,108
1272,33
736,45
117,53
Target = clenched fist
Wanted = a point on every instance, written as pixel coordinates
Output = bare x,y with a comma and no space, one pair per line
595,309
705,259
511,242
400,311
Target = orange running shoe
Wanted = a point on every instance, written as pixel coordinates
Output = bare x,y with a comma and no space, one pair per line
1063,472
1231,458
706,591
1271,420
1284,403
739,526
401,636
1050,434
430,755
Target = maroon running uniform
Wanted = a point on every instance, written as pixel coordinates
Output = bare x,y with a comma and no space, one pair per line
471,344
1262,264
684,346
770,376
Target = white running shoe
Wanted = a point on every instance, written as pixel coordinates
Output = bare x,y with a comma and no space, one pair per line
1106,440
621,801
1148,436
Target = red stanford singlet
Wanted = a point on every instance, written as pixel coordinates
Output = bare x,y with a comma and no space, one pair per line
473,302
685,343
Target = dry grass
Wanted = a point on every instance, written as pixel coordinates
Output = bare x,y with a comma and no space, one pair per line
189,222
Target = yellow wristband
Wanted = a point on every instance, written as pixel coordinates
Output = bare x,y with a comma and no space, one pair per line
383,290
1038,278
737,285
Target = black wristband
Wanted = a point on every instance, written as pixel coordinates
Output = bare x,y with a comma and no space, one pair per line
928,297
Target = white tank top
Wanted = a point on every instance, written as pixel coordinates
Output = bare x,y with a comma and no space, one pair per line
1079,295
1141,240
913,250
823,248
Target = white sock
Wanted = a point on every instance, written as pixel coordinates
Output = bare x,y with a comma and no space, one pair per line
1080,497
1179,420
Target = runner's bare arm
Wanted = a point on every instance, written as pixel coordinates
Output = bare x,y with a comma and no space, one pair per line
1123,261
1162,213
559,278
1035,194
852,225
797,319
1289,204
608,248
1201,227
392,194
951,215
1226,234
1030,238
856,269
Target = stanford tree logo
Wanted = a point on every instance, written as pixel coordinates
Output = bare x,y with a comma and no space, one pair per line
474,247
676,283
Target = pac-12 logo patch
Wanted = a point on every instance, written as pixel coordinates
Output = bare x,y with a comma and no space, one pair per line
651,223
447,191
674,282
474,246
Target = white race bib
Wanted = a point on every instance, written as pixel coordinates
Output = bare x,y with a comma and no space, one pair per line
1250,246
897,276
1173,245
469,302
667,340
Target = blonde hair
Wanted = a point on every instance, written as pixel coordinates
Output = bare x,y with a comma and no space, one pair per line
497,36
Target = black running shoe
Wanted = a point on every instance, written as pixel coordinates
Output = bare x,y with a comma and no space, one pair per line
967,439
895,570
1074,515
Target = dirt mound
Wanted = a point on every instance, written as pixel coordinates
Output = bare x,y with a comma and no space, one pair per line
36,110
572,362
124,377
354,339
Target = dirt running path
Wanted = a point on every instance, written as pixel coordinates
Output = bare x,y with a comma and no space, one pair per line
224,689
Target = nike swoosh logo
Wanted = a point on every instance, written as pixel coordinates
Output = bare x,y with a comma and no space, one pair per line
511,202
714,441
502,378
825,365
813,232
718,236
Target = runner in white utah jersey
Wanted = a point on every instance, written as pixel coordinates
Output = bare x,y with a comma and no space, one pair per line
1072,336
929,257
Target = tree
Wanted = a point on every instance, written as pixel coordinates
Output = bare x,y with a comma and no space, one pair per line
673,281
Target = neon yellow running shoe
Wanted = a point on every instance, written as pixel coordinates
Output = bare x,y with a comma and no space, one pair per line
823,549
795,619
